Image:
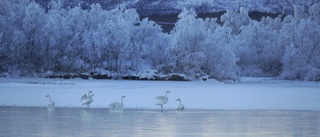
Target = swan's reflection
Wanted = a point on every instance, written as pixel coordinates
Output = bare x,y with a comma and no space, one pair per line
51,109
115,109
86,114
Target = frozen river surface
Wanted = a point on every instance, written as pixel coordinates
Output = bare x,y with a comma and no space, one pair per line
40,121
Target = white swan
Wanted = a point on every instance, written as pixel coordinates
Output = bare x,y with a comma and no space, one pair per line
87,99
180,107
51,103
162,100
117,105
112,107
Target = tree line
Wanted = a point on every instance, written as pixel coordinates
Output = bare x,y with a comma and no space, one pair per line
34,41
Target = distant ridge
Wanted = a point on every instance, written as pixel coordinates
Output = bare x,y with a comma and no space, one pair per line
163,7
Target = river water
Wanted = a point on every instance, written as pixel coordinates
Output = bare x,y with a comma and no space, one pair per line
41,121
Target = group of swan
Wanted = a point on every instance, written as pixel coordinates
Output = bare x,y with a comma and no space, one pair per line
162,100
87,99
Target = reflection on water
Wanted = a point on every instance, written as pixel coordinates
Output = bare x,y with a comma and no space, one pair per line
51,109
33,121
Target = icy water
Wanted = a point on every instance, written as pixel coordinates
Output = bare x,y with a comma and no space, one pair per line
39,121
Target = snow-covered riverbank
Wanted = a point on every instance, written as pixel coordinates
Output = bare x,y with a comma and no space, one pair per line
249,93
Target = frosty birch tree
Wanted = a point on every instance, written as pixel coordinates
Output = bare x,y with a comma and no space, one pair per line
259,49
220,60
235,19
148,45
34,19
301,57
188,38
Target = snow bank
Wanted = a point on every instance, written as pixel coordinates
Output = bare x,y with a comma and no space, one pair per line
249,93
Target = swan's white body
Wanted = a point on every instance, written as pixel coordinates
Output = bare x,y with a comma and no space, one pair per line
180,107
51,103
162,100
116,105
87,99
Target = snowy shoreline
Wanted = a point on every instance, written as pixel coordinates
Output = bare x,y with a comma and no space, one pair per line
248,94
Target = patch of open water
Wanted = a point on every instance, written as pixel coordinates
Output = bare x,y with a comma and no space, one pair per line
41,121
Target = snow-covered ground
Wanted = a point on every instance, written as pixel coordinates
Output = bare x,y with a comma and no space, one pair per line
249,93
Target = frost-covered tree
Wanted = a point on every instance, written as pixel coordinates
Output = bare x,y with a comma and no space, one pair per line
314,12
302,50
259,49
201,48
31,58
12,35
236,19
220,60
55,37
115,34
94,51
148,45
187,42
73,58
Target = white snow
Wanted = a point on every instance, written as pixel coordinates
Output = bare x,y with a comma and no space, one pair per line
249,93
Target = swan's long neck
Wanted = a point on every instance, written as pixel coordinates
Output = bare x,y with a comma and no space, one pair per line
89,94
166,94
49,98
179,102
